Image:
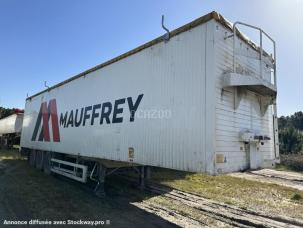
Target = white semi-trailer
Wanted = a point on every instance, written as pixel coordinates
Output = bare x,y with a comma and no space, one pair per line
10,129
201,99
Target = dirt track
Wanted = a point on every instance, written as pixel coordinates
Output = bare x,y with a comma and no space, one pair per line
210,210
227,214
283,178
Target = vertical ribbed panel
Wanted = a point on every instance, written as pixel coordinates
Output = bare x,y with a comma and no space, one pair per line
230,122
171,76
11,124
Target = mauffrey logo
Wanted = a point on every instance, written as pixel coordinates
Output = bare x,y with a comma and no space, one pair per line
47,112
108,112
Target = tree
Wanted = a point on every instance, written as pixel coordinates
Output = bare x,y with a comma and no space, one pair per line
297,120
290,140
4,112
283,122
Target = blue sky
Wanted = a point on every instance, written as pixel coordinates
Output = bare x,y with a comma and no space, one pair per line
52,40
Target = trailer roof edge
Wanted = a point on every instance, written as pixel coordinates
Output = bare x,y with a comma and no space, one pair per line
201,20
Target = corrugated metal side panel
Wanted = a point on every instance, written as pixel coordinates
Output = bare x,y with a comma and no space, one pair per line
171,76
230,122
11,124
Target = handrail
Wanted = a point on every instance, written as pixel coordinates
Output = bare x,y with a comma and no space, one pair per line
261,47
276,146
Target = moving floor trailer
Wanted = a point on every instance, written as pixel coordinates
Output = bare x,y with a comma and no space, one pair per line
201,99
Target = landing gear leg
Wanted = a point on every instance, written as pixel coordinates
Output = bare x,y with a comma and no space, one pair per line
32,157
47,162
99,190
142,178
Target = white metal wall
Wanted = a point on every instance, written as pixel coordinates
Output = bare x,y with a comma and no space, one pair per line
230,122
11,124
172,77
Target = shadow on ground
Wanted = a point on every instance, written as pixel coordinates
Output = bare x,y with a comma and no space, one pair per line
27,193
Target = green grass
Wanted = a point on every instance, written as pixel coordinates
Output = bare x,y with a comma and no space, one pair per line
283,167
291,162
27,193
6,154
42,195
296,196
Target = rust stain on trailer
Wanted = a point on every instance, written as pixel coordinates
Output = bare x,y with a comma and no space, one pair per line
220,158
131,153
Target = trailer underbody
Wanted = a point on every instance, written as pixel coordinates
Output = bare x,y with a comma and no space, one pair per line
83,169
